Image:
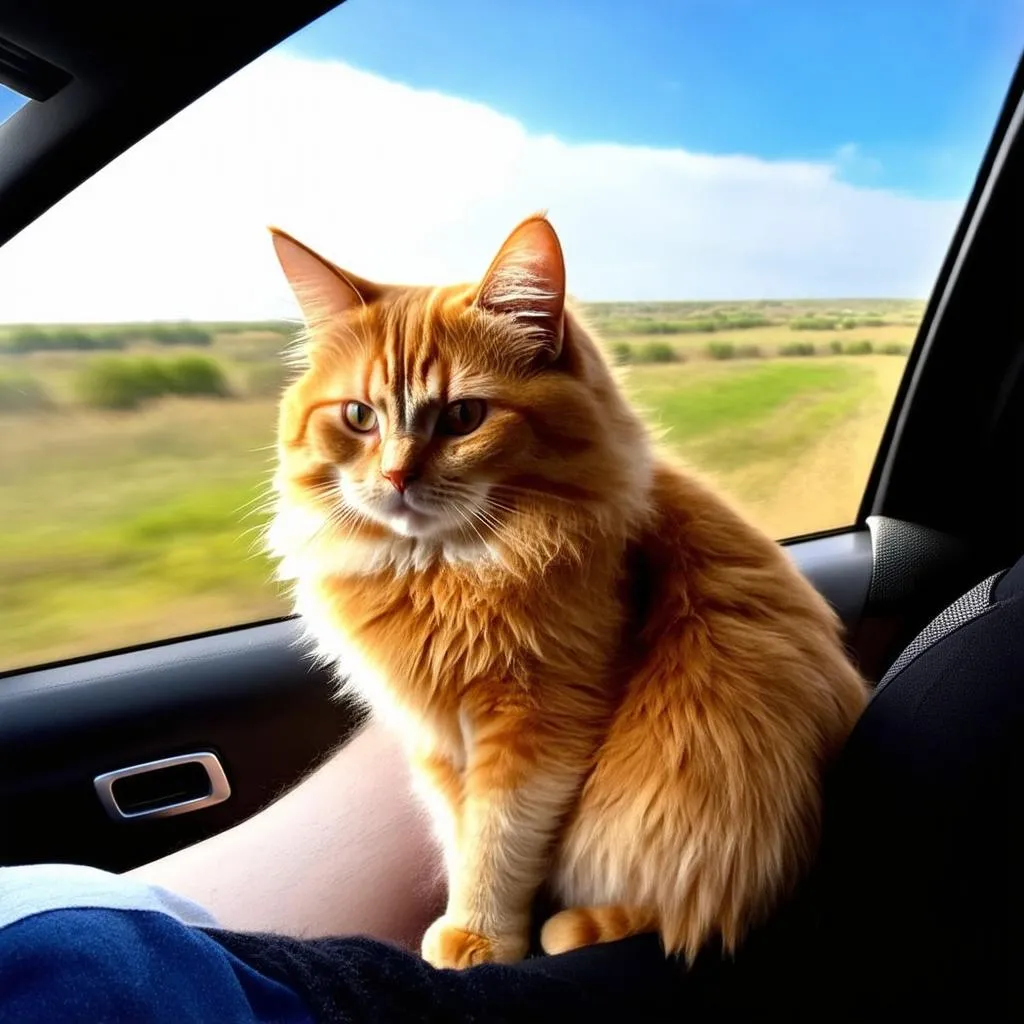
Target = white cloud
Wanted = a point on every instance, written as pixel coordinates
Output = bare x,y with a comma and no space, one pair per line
410,185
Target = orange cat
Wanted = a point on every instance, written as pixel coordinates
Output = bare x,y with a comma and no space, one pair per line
608,684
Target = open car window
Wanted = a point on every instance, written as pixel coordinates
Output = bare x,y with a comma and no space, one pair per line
752,233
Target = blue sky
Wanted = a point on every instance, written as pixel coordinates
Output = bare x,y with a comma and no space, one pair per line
9,103
904,92
911,88
695,149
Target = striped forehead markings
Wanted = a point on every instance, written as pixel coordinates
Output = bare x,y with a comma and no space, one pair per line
411,375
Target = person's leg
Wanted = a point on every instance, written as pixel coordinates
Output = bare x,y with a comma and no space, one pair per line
346,851
82,945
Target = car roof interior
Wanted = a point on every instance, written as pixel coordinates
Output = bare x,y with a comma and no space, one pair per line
944,506
104,75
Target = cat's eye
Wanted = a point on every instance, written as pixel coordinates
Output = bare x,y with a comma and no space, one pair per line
462,417
361,418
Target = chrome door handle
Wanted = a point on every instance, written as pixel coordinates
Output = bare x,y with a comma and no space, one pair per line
164,788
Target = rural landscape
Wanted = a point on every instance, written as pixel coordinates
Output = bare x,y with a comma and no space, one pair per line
133,456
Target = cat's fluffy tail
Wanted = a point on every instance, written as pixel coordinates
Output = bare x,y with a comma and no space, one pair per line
585,926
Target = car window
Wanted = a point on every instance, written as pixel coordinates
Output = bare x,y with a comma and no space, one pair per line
10,101
754,201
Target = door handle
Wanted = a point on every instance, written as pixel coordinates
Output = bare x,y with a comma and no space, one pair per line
164,788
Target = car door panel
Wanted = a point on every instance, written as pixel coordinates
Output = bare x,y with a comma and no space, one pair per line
251,695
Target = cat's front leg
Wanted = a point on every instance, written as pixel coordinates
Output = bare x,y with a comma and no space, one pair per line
438,784
520,781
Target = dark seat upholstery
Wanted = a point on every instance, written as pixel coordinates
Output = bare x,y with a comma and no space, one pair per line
914,908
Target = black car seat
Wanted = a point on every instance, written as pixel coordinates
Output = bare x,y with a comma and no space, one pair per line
914,908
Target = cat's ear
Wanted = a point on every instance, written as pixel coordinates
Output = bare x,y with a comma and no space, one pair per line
323,290
526,281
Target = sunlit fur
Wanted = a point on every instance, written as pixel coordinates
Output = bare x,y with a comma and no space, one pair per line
610,686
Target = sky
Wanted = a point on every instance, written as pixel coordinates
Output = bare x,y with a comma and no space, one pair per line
10,101
685,149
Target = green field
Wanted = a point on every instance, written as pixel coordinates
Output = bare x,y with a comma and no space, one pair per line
121,527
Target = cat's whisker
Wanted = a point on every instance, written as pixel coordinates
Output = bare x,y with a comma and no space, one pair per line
249,530
336,517
271,500
451,491
346,515
490,502
532,492
454,488
484,516
260,504
489,522
461,514
262,489
464,513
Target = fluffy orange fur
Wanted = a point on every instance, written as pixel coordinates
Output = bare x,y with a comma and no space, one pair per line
610,686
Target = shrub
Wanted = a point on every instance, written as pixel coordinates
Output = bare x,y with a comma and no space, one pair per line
119,383
195,375
656,352
619,327
719,320
622,352
721,350
21,393
835,346
858,348
110,340
894,348
70,339
851,322
28,340
797,348
183,334
152,376
698,325
111,384
285,327
813,323
747,320
662,327
65,339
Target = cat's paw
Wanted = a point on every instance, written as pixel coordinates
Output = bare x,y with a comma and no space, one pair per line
446,944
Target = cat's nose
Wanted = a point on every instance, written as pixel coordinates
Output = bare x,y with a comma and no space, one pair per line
400,478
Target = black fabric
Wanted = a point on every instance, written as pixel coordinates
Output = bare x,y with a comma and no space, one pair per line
922,854
977,601
357,979
913,910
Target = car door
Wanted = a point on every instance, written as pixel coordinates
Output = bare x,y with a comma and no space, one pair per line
156,690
